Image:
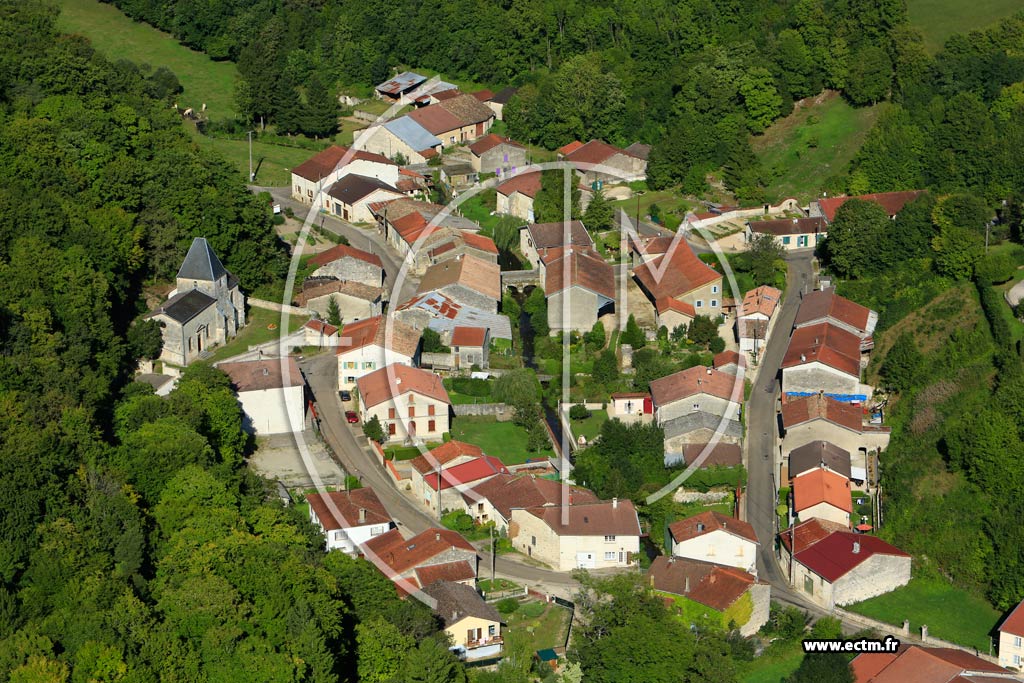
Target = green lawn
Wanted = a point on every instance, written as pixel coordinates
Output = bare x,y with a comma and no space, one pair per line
496,586
950,613
814,143
589,427
504,440
544,631
256,332
777,662
119,37
940,19
667,201
272,163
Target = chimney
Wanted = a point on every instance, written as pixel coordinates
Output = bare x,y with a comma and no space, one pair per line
803,358
856,547
615,503
709,371
266,372
437,536
686,585
700,527
362,515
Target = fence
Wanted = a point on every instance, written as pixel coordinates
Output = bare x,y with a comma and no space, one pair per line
494,596
904,633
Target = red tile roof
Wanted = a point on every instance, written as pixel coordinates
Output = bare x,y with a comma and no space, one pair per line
706,522
479,242
570,148
468,271
665,304
466,473
448,94
340,509
483,95
916,664
677,272
436,119
866,665
469,336
444,454
593,152
490,141
831,555
507,491
449,571
892,202
314,288
378,386
763,300
796,411
344,251
694,381
826,344
585,268
651,246
710,584
526,184
823,305
259,375
322,327
1015,622
321,164
726,358
467,109
401,555
821,486
721,455
606,518
389,333
553,235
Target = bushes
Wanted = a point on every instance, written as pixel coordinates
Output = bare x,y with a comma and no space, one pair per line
507,606
991,305
578,411
481,388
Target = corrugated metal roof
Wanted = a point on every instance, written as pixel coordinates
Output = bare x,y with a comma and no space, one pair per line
412,133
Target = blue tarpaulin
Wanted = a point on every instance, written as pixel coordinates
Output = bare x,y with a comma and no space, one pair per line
845,398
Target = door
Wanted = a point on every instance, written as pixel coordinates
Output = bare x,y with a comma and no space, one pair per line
585,561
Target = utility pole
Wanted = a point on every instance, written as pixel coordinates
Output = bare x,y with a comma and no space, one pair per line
252,176
493,555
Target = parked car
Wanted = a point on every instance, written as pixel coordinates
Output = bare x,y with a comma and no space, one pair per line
346,396
351,416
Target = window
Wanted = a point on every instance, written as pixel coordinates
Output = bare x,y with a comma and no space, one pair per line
368,365
309,193
298,190
391,429
431,426
808,585
350,379
714,303
1016,661
430,409
609,539
391,413
492,630
350,365
609,556
1016,641
412,398
699,303
711,550
714,289
533,540
785,240
377,530
412,411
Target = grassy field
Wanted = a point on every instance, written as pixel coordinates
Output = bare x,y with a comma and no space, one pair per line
273,163
118,37
774,665
256,332
591,426
549,629
940,19
950,613
815,142
504,440
667,202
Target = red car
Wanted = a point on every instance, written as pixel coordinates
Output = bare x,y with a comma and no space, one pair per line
351,416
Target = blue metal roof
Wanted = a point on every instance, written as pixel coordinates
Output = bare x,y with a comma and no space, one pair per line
412,133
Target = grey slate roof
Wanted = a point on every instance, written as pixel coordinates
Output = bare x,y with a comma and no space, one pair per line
813,454
184,306
456,601
699,419
201,263
412,133
354,187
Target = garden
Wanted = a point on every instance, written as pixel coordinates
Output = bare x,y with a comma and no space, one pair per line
507,441
545,624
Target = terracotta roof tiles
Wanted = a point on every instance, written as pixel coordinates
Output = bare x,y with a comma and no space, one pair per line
892,202
714,585
259,375
469,271
817,486
694,381
463,335
527,184
677,272
378,386
387,333
826,344
706,522
608,518
341,509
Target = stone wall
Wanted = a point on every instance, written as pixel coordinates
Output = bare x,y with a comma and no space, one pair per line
501,411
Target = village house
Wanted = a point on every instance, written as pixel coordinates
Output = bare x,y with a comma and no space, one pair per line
401,139
722,454
349,198
324,168
496,154
892,202
712,591
460,465
434,555
343,262
355,300
494,499
457,174
538,239
824,358
1011,639
396,88
823,454
696,389
834,566
599,163
825,306
498,101
714,537
672,313
421,232
596,535
631,406
729,362
411,404
647,248
790,233
680,275
754,317
820,493
696,429
473,625
271,393
455,120
368,345
348,518
443,314
468,280
917,664
515,196
320,333
820,418
471,346
205,309
456,243
579,287
433,93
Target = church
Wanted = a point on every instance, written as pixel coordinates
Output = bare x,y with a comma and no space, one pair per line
204,310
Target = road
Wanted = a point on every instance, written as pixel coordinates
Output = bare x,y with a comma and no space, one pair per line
355,456
361,238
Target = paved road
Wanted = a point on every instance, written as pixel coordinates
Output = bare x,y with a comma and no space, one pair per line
361,238
355,456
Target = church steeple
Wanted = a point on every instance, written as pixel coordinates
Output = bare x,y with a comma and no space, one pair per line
201,263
